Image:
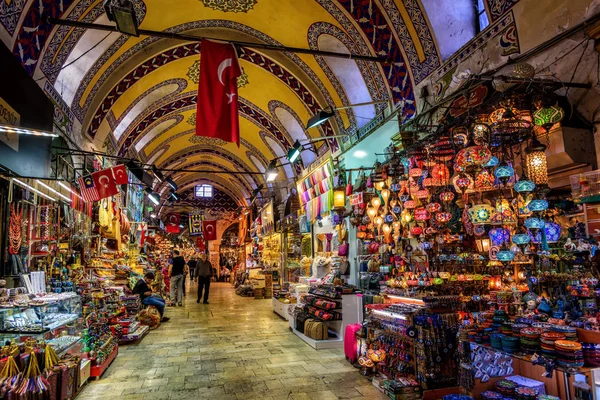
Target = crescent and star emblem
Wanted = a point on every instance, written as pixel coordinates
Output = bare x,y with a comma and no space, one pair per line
225,64
102,179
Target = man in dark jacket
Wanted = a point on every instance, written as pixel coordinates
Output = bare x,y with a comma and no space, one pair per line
203,274
142,289
176,272
192,265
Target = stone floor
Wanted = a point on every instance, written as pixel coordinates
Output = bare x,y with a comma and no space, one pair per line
233,348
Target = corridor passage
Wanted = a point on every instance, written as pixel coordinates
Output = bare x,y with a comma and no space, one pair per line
232,348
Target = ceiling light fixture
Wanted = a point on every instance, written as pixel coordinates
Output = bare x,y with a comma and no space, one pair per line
159,175
272,171
152,215
154,197
171,183
328,112
69,189
25,131
34,190
121,12
295,151
56,192
174,196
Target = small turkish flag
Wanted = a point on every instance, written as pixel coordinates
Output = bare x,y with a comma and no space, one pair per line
120,174
217,105
105,183
210,230
173,223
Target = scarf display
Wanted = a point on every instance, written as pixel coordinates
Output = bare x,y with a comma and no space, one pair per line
316,192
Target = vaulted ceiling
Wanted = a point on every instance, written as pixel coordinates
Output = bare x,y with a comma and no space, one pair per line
136,96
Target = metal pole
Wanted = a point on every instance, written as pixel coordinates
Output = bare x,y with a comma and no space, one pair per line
369,103
191,38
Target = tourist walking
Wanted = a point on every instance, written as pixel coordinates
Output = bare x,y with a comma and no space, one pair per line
203,273
176,272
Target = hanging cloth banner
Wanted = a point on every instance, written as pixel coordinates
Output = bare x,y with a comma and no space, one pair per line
195,222
210,230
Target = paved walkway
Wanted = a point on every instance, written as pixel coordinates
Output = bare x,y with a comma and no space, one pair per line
233,348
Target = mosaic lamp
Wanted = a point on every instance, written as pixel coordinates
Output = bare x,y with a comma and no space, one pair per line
472,158
415,173
505,256
538,205
552,231
410,204
422,194
499,235
504,172
463,182
443,217
536,162
524,186
492,163
433,207
534,224
481,213
546,117
446,196
440,174
521,240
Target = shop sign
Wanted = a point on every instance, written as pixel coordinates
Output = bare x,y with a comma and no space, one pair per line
356,199
464,103
63,116
9,116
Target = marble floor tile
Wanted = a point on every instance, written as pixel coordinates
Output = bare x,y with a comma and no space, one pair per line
233,348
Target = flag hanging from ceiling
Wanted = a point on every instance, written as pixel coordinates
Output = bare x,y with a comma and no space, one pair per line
88,189
210,230
172,225
120,174
195,223
217,106
105,184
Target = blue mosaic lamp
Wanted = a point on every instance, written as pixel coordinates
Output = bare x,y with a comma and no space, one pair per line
552,230
538,205
504,172
499,236
505,256
521,239
492,163
524,186
534,224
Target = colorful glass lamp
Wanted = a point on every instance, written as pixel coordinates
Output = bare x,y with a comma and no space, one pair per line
546,117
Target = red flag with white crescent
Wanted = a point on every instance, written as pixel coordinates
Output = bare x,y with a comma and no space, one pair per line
120,174
217,105
105,183
210,230
173,221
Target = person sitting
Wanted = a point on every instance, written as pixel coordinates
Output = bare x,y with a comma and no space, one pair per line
148,298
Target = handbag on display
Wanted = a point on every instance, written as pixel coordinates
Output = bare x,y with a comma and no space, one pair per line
349,188
301,319
343,250
316,330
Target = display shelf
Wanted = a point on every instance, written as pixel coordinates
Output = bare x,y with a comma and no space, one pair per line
97,370
49,328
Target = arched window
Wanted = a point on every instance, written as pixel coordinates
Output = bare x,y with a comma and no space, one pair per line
455,22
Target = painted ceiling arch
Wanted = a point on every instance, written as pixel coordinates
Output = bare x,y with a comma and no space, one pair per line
139,92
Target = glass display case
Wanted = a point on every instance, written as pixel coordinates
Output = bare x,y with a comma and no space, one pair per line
53,319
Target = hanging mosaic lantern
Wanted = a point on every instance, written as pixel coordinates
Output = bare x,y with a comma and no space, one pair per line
440,174
478,230
546,117
416,230
534,224
521,239
481,213
460,136
552,231
504,172
446,196
492,163
462,183
480,131
410,204
536,163
484,181
538,205
498,236
433,207
428,182
524,186
507,126
505,256
421,214
415,173
443,217
422,194
472,158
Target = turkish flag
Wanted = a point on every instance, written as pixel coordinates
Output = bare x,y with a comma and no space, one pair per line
105,183
173,220
210,230
217,106
120,174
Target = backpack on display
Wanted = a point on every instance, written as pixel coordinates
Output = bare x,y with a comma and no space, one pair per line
316,330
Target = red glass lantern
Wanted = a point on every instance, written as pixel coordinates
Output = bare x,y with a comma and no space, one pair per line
410,204
416,230
446,196
443,217
415,172
440,174
433,207
422,194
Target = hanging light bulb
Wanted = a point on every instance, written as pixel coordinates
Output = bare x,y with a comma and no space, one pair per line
385,194
386,229
376,202
378,221
397,226
371,212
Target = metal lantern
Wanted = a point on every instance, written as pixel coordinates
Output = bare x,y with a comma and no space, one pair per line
546,117
483,244
536,163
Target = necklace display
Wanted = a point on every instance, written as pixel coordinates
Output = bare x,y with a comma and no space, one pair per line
15,229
